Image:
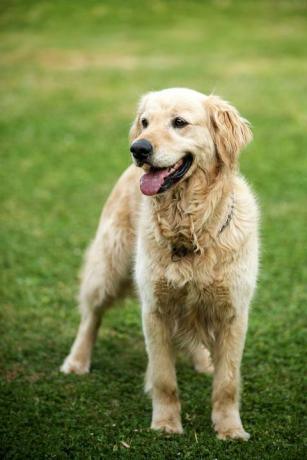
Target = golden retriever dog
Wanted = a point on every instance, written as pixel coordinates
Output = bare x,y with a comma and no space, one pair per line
184,222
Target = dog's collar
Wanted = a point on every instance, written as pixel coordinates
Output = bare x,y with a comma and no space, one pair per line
180,251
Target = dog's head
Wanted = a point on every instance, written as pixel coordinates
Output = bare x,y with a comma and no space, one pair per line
179,130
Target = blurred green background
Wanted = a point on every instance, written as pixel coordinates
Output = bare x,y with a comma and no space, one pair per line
71,74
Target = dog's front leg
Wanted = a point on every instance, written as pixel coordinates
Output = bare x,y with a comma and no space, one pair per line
227,354
161,374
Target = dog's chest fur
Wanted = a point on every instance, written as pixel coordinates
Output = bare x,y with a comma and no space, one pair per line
183,239
191,290
194,313
194,291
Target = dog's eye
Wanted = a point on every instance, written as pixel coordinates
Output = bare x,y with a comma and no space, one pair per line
144,122
179,122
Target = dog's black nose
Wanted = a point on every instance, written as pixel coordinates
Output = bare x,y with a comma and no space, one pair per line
141,150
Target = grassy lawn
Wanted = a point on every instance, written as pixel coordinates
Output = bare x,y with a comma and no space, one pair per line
71,74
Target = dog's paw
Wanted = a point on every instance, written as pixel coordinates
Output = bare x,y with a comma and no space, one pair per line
229,425
71,366
202,361
233,433
167,426
204,368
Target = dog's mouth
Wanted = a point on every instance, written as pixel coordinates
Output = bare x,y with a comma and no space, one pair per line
158,180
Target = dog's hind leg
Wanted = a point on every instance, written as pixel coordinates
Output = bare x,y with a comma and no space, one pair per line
102,283
107,272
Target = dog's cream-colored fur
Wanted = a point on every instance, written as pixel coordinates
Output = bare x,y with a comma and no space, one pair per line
198,302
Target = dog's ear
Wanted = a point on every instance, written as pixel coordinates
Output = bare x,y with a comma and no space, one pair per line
230,132
136,127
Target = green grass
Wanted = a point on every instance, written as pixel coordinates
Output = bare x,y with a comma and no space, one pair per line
71,73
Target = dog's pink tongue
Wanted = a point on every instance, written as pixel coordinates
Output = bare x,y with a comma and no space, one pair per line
152,181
